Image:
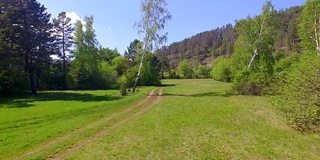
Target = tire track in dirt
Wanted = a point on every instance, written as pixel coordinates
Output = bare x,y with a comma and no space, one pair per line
83,143
82,129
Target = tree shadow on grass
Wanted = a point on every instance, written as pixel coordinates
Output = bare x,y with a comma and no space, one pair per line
207,94
167,85
26,101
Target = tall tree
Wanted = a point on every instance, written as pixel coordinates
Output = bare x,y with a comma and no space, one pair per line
265,33
36,40
255,46
310,25
12,75
63,30
154,18
85,68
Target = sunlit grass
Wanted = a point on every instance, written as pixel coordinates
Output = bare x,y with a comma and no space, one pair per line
197,120
30,121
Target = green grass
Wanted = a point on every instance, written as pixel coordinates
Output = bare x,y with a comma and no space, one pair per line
197,120
27,122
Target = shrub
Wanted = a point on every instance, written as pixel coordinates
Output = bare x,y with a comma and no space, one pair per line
299,93
248,88
123,84
221,70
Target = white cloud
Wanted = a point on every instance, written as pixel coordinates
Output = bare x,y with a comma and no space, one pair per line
74,17
109,28
52,10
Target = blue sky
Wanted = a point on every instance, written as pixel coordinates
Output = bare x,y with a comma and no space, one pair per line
114,19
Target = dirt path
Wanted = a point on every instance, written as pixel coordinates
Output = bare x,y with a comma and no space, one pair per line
82,129
84,142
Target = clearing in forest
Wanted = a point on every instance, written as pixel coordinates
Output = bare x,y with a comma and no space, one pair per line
186,119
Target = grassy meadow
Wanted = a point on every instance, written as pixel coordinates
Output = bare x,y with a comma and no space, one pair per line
28,122
197,120
194,119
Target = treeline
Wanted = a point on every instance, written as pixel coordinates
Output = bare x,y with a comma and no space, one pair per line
29,40
197,48
204,47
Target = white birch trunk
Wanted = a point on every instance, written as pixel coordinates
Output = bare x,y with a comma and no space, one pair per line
255,52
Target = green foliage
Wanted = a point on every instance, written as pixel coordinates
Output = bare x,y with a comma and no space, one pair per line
309,25
26,43
155,16
150,72
86,69
107,54
299,93
133,50
202,46
172,74
123,84
202,71
256,39
63,30
185,70
221,69
120,64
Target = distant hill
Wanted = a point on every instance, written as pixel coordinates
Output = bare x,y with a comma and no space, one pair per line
204,47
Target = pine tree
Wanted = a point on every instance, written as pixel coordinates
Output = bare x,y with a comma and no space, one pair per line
28,33
63,30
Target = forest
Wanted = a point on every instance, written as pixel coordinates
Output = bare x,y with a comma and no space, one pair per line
275,53
30,43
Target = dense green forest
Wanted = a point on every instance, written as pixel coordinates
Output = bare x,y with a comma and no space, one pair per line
29,40
274,53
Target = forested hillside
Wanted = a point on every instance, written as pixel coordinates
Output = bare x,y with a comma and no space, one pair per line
206,46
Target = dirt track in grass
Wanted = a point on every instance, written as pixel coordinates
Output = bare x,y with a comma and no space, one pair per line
153,99
145,104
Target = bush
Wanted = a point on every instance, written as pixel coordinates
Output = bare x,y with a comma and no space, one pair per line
123,84
173,74
248,88
185,70
123,90
221,70
202,71
299,93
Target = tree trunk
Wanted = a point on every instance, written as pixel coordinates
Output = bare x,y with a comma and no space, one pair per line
28,56
255,53
64,62
138,75
32,79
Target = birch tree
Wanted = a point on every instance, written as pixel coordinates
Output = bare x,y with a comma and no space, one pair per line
310,25
155,16
264,35
255,45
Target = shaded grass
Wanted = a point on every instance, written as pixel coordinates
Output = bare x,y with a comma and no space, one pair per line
52,114
28,101
209,126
